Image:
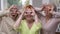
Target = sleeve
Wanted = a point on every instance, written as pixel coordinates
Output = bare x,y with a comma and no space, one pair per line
56,14
38,9
2,13
20,27
8,21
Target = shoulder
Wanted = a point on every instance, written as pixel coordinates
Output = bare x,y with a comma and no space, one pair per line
23,21
39,23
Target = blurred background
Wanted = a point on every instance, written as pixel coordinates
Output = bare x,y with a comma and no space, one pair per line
36,3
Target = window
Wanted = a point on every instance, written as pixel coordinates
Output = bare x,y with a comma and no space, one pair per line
58,29
37,3
0,4
26,2
20,3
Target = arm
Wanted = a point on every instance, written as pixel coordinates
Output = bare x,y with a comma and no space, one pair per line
36,19
57,14
18,22
2,13
38,9
6,11
35,16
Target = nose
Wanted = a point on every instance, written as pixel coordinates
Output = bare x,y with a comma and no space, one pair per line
29,13
14,12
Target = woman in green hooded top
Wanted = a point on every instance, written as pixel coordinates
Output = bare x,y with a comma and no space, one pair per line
31,23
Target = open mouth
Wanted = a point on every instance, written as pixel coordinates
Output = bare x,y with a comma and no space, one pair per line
13,15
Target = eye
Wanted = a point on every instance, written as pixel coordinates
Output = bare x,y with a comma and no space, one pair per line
31,12
25,12
49,9
11,9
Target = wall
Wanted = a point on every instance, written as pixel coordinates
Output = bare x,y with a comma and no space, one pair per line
37,3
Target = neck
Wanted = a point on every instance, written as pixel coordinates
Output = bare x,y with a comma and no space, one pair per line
30,21
47,18
14,18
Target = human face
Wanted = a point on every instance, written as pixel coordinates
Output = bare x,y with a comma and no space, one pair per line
13,11
46,10
29,14
43,13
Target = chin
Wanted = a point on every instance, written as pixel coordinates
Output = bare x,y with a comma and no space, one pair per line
28,18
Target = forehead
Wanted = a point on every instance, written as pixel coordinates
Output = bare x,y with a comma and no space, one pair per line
14,7
49,6
28,10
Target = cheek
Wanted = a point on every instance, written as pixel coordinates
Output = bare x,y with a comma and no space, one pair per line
33,14
11,12
25,14
16,13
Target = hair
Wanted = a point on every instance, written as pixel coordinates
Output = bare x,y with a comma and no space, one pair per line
49,15
16,10
43,7
55,7
29,7
13,7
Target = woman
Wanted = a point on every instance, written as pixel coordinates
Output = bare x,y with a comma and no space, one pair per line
31,24
14,12
49,21
10,16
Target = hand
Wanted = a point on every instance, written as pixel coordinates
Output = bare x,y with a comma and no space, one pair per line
33,11
36,18
19,13
22,13
12,7
52,12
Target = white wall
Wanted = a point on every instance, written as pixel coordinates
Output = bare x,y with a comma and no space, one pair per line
0,4
45,1
3,4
